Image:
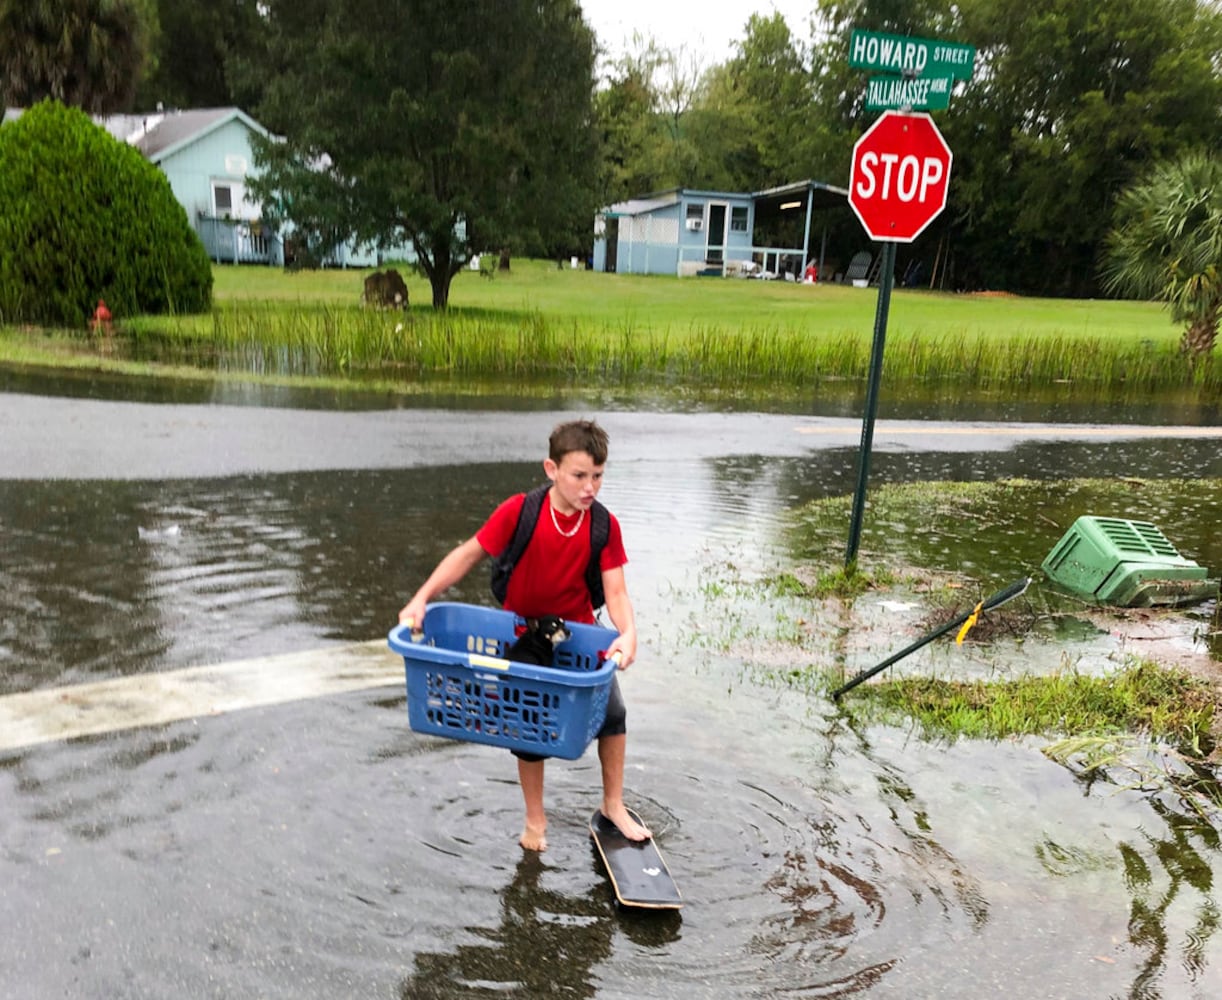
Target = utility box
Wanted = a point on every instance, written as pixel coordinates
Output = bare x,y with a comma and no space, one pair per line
1126,563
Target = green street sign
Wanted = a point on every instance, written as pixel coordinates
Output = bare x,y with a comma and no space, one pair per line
910,56
923,93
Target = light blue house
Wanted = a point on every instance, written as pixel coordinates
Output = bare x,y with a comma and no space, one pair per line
688,232
207,157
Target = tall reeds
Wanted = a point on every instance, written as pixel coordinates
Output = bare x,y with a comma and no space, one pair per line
321,339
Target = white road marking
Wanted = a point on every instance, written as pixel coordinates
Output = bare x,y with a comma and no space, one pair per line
64,713
1117,431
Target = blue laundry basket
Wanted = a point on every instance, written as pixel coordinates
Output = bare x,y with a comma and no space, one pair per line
459,684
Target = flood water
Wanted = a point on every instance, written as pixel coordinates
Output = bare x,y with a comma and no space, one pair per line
319,848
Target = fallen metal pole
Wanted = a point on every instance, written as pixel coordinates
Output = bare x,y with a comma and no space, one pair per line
998,599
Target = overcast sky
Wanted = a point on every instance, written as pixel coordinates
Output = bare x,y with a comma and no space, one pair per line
708,28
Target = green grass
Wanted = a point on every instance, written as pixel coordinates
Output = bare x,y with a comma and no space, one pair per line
550,325
1143,697
656,304
1144,726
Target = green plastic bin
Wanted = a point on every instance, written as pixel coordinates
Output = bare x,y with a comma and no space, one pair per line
1126,563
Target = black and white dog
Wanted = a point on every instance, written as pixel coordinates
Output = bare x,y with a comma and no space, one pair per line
538,643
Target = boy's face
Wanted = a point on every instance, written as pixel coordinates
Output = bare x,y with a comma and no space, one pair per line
576,481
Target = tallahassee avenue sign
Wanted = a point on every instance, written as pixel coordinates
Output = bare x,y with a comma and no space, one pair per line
925,93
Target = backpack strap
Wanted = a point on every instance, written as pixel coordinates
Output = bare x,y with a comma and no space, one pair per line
528,518
600,532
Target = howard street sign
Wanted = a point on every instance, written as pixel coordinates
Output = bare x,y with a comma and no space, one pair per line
910,56
901,168
922,93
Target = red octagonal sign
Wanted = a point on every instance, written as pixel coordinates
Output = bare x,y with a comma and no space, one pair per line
901,166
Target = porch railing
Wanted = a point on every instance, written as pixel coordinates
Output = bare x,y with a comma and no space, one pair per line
733,262
235,241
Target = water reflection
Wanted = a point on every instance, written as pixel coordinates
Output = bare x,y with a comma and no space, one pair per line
548,945
912,401
103,578
573,932
1158,871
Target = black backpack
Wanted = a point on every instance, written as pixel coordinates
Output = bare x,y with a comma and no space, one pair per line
528,518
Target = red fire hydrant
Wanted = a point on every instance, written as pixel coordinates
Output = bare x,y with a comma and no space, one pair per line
101,318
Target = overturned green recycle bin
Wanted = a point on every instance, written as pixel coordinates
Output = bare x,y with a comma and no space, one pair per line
1130,564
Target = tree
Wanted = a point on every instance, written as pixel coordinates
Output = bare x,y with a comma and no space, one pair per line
1071,102
461,126
624,111
85,53
755,113
204,55
84,216
644,115
1167,244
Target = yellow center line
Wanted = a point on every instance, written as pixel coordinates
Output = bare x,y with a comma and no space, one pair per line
65,713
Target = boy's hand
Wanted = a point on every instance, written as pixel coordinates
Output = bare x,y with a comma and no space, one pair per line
412,613
624,647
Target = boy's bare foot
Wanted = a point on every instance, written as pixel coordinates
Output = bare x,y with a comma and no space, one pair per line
534,839
630,828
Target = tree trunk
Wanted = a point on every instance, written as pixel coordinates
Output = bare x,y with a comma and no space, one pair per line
503,264
439,280
1198,339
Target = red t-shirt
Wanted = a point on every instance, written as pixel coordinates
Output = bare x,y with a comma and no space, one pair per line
550,578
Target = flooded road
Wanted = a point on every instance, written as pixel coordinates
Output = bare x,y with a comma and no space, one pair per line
318,848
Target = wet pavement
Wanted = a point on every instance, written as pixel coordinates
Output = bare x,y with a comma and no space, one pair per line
316,847
56,438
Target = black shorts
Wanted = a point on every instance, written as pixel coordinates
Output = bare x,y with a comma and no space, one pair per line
615,724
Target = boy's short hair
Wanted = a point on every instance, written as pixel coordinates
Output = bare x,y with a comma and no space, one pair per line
578,435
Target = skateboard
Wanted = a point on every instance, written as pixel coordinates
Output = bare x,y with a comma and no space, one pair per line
638,873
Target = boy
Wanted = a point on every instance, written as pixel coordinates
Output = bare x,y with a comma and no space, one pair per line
550,579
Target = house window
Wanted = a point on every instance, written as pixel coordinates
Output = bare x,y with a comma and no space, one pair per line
222,198
738,219
695,210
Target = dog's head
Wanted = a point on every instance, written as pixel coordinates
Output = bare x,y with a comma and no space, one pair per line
549,627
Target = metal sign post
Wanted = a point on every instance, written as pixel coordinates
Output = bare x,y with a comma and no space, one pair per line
886,280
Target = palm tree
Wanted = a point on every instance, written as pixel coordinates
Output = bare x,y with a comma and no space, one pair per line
84,53
1167,244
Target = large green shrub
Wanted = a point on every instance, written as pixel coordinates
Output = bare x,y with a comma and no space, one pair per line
84,217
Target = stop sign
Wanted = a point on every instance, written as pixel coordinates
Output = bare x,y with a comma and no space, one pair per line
901,166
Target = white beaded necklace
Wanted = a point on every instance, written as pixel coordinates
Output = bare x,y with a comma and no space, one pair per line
570,533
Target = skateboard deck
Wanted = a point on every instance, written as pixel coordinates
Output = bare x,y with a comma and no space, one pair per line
638,873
